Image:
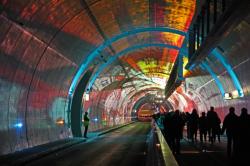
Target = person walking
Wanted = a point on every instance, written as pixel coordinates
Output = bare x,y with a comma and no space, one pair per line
203,127
212,119
86,124
217,128
194,118
230,125
168,129
244,137
177,128
188,125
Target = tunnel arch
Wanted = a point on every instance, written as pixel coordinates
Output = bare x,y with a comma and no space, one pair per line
127,50
203,65
97,51
123,52
148,98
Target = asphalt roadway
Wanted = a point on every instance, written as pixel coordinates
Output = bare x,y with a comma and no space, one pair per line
126,146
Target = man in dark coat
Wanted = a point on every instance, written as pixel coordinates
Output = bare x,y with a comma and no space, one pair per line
203,127
212,119
230,125
244,138
177,125
193,121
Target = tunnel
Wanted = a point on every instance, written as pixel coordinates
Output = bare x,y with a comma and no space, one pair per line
115,59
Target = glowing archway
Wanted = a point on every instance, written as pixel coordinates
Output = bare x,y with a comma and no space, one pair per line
230,71
123,52
205,66
107,43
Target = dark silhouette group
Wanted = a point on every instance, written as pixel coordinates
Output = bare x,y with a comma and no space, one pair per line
238,135
206,124
173,129
209,126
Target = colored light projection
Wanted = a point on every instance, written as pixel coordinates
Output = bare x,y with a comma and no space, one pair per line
180,100
185,62
174,14
153,62
115,17
179,14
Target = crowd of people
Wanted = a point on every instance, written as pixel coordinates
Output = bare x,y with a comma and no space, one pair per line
208,125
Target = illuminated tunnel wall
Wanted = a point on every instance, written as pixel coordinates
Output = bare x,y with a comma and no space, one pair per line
40,53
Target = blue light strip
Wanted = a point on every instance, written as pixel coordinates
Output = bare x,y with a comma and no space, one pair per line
205,66
123,52
229,69
180,67
85,64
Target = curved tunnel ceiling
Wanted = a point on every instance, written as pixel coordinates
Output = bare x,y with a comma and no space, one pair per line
92,23
149,61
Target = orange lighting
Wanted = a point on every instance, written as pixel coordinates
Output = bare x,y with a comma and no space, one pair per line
60,121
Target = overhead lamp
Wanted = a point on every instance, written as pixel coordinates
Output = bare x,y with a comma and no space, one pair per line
86,96
95,119
232,95
60,121
235,94
227,96
18,125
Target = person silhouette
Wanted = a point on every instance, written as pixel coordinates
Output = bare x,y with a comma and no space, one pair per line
177,129
193,120
212,119
230,125
203,127
168,129
243,140
86,124
217,128
187,117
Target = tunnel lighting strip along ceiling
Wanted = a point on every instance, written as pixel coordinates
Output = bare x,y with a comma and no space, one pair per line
229,69
205,66
123,52
85,64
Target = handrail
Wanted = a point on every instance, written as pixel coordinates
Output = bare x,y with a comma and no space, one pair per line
169,159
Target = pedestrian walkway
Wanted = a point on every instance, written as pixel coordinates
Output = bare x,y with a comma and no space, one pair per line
204,154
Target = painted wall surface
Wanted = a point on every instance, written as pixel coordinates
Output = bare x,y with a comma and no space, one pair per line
40,53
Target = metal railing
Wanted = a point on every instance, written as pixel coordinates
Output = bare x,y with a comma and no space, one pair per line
168,157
